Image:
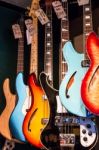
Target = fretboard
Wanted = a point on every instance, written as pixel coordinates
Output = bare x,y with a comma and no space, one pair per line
87,25
34,48
48,54
64,38
20,58
34,45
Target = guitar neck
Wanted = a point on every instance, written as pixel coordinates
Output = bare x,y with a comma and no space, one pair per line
87,24
48,55
34,48
34,45
20,59
64,38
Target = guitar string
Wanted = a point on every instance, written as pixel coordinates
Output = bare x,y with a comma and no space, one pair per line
66,126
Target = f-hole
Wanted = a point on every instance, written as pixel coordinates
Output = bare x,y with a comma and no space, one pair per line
31,119
69,84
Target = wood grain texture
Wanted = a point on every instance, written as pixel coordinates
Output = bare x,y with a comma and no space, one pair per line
5,116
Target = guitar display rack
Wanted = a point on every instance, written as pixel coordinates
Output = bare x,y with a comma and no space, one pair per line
8,62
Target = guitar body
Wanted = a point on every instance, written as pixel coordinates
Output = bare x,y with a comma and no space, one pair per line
56,128
90,83
39,110
5,116
69,91
50,134
17,116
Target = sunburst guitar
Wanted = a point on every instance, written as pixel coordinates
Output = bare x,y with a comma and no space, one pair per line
90,83
39,110
33,123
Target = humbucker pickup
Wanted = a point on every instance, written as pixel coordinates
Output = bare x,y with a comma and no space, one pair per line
63,120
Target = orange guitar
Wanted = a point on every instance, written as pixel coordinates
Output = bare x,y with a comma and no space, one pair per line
90,83
33,124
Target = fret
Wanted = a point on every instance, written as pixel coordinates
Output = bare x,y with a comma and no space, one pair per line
64,38
48,30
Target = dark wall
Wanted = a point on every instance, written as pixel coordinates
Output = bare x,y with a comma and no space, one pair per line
8,47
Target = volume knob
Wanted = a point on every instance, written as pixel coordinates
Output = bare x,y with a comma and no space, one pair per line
83,131
88,126
85,139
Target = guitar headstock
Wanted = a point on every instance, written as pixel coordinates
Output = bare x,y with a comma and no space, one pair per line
34,6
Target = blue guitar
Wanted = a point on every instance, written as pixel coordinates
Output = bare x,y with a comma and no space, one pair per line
69,91
17,116
78,64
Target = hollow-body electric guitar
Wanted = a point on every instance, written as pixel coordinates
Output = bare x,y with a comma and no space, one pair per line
50,135
33,123
90,83
78,64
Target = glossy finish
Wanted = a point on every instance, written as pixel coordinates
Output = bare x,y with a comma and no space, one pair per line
69,90
90,83
39,110
17,116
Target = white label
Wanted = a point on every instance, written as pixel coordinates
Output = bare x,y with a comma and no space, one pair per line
17,31
41,16
59,10
82,2
29,37
29,26
60,108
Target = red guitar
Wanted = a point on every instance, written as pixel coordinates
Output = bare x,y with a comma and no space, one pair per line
90,83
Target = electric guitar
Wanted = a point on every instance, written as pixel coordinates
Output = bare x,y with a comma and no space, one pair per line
68,135
17,116
90,82
50,135
39,109
10,98
78,64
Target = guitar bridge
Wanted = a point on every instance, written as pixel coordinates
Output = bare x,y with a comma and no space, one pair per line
85,63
